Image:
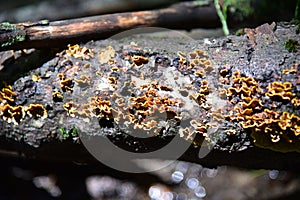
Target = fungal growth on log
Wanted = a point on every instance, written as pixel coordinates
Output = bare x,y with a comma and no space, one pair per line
12,113
139,91
267,110
105,87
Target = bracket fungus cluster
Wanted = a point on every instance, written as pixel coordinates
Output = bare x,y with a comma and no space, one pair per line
139,91
12,113
269,112
80,52
281,91
96,107
149,92
132,89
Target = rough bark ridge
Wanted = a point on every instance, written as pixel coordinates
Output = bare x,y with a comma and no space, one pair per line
239,95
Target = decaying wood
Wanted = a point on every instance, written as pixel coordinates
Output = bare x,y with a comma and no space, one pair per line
261,58
57,10
185,15
60,33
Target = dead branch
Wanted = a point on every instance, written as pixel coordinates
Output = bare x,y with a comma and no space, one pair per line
46,34
185,15
57,10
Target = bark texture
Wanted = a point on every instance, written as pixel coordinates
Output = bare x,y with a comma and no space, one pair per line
44,34
239,95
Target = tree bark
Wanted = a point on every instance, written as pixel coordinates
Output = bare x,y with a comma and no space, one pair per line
39,122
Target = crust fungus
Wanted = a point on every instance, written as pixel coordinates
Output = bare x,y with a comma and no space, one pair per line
139,60
230,132
36,111
60,76
7,95
72,109
269,127
101,108
292,70
95,107
199,127
84,81
66,84
12,114
35,78
80,52
112,80
278,133
15,114
146,110
107,55
57,96
280,90
120,90
196,63
296,102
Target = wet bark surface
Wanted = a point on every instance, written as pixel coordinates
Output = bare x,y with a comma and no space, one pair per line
75,94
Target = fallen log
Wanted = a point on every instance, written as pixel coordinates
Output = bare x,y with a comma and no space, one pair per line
234,100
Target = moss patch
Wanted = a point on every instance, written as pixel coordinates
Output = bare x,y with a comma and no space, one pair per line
14,34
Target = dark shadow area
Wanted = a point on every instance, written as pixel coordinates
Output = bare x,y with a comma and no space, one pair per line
15,68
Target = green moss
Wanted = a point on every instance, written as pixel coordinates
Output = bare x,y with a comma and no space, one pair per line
291,45
5,44
68,133
240,32
20,38
74,132
64,133
7,26
44,22
14,34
